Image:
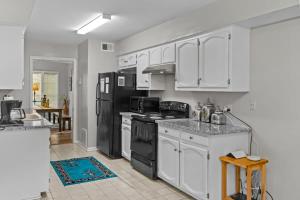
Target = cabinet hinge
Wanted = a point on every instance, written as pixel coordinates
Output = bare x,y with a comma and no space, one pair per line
207,195
229,81
208,156
229,36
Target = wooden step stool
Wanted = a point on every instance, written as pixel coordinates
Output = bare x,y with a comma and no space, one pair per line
249,166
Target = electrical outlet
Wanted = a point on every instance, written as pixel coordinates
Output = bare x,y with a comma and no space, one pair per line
252,106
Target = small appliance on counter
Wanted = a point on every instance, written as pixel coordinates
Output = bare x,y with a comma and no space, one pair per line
207,110
218,117
12,113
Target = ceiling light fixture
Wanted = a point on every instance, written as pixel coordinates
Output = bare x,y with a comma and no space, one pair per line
98,21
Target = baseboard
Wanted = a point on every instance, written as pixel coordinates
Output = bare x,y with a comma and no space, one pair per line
92,149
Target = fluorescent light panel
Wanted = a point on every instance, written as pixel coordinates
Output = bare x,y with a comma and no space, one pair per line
95,23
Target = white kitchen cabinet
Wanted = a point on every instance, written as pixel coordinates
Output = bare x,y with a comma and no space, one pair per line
168,160
214,60
196,160
162,54
126,140
155,56
11,57
221,63
147,81
187,66
168,53
127,61
143,80
193,180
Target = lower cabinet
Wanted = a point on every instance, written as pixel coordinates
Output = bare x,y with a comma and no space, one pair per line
126,137
168,160
193,170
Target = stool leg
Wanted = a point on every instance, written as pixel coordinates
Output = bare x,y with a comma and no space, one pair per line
237,179
249,183
70,125
263,182
64,125
224,180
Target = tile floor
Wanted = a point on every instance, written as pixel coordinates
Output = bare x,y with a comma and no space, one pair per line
129,185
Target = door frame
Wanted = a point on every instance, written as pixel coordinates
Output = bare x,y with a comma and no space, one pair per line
74,87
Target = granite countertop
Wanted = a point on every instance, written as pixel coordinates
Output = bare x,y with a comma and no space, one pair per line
203,129
29,123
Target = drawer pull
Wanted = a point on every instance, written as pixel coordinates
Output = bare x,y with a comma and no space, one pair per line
166,131
175,149
191,138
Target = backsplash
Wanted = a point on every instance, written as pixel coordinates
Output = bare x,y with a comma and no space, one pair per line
192,98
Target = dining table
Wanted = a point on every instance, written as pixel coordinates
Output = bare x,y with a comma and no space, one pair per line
43,110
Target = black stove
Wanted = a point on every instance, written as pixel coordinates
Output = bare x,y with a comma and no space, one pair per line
144,135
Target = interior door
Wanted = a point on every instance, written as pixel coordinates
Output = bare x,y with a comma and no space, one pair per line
168,160
105,128
193,170
214,60
143,80
187,66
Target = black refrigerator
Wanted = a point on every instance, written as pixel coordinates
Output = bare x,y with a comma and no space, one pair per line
112,97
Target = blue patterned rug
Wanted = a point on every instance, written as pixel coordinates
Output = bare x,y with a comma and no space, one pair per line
81,170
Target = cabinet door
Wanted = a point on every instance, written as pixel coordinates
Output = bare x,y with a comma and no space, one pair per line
168,53
11,57
126,137
214,61
155,56
187,66
193,170
143,80
131,59
168,160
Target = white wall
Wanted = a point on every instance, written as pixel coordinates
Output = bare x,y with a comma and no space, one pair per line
94,61
212,16
63,75
275,61
37,48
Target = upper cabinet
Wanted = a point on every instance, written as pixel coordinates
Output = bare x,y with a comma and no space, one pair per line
187,64
11,57
127,61
162,55
217,61
147,81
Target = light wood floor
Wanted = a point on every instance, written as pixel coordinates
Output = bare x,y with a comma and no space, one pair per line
129,185
64,137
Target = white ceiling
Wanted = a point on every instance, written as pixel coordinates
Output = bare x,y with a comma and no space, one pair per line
15,12
57,20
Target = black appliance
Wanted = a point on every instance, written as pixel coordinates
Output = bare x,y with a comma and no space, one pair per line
112,97
144,135
11,113
142,105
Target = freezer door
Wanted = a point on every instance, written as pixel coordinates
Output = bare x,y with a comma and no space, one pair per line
105,127
107,86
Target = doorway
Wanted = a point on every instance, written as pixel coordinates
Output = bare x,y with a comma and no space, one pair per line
53,94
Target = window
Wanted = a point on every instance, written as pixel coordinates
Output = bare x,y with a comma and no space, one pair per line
48,82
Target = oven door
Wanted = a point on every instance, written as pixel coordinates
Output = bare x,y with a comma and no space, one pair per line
144,138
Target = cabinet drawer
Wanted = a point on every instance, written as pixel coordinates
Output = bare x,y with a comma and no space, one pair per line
126,120
194,138
168,131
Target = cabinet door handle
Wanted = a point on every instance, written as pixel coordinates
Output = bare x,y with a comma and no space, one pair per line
179,151
191,137
166,131
175,149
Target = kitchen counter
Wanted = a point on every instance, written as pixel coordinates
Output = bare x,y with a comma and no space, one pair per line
32,121
200,128
129,114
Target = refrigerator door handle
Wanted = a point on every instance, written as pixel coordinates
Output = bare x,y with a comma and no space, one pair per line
97,107
97,91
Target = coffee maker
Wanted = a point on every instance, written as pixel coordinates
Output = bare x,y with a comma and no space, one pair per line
11,112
